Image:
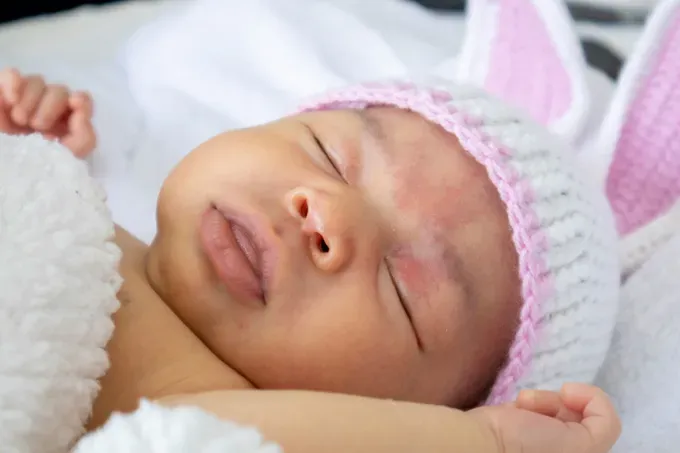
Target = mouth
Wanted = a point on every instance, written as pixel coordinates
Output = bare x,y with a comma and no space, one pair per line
240,253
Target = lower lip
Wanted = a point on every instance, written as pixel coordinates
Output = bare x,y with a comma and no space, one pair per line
228,259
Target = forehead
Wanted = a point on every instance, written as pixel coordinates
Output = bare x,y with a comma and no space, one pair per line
428,170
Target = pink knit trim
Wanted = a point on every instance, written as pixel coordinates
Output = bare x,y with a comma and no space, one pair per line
644,178
523,49
517,195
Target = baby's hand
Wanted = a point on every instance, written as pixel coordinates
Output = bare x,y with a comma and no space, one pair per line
578,419
28,104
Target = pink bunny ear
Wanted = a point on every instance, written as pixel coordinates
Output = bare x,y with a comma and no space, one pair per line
640,137
527,53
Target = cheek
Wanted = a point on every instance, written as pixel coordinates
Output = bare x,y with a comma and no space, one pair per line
340,344
420,278
437,305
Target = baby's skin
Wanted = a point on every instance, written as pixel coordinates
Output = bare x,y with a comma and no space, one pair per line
321,256
28,104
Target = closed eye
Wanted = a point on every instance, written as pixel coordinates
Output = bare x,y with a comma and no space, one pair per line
404,305
322,148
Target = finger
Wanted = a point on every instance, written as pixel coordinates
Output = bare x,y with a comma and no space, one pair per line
53,105
31,92
10,84
539,401
5,121
80,138
80,100
599,414
7,125
547,403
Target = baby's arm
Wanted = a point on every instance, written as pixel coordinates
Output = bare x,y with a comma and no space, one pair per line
313,422
579,419
28,105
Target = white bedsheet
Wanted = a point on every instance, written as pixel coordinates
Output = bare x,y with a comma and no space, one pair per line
142,137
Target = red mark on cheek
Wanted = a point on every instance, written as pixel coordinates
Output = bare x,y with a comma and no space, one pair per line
418,277
411,275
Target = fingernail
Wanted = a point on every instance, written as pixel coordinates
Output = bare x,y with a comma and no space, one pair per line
526,395
11,96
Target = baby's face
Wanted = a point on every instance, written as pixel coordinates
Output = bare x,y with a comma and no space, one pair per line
378,257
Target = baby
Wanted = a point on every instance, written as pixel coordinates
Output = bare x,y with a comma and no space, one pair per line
312,253
410,241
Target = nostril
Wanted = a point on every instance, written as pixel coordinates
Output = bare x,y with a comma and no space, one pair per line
324,247
321,243
297,204
303,208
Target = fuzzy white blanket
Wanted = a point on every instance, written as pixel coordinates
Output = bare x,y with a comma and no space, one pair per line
59,279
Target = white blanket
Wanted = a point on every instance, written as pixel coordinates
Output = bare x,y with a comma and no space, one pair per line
642,370
59,278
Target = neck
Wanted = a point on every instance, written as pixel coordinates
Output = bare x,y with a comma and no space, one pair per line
152,354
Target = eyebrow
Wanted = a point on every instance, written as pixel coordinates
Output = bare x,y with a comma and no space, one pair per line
371,124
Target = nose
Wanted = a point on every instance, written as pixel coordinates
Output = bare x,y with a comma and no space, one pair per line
325,226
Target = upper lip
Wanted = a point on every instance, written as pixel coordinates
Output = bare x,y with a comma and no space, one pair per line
263,241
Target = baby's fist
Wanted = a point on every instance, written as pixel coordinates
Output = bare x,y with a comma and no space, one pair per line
28,104
580,419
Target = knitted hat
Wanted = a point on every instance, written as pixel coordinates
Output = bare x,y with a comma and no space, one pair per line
562,227
564,238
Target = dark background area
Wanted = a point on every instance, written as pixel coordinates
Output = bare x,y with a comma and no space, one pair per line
598,54
25,8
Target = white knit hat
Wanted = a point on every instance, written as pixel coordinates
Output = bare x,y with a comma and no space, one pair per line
562,226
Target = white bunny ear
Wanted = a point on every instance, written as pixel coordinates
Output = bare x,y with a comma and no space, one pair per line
637,155
527,53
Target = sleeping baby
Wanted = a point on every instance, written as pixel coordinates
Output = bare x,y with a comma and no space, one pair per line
409,240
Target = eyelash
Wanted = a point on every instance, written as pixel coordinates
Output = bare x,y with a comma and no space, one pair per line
322,148
404,305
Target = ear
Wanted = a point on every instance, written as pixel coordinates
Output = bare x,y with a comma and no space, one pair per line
637,155
527,53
